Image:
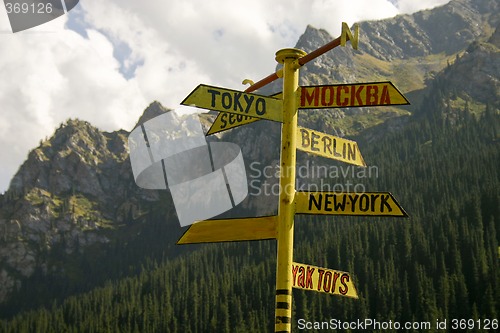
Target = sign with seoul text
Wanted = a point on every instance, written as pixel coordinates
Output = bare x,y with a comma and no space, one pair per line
225,121
235,102
323,280
357,204
350,95
329,146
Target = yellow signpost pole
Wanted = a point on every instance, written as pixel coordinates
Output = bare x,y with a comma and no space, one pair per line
289,59
289,274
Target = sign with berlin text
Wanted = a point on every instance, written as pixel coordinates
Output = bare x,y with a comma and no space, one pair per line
329,146
322,280
236,102
357,204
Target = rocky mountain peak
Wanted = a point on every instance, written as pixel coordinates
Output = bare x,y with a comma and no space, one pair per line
70,188
153,110
69,158
495,38
446,29
313,38
480,65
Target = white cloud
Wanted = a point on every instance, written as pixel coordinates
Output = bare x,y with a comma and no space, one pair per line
51,73
410,6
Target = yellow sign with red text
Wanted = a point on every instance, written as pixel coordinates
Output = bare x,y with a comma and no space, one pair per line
323,280
350,95
321,97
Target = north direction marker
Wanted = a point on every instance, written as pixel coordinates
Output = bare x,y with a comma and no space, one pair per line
323,280
358,204
346,35
233,101
329,146
350,95
228,230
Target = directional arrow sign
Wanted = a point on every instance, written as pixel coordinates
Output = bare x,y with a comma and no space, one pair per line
212,231
350,95
332,96
359,204
323,280
233,101
225,121
329,146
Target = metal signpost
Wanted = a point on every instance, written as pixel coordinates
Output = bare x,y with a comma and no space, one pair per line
240,108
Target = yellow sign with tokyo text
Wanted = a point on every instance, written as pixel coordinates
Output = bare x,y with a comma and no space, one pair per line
357,204
225,121
235,102
329,146
323,280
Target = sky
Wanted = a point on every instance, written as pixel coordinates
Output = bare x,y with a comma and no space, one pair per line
106,61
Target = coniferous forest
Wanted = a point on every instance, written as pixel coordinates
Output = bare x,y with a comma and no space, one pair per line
440,263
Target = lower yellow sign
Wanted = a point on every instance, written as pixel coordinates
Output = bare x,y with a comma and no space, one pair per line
227,230
323,280
338,203
329,146
225,121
